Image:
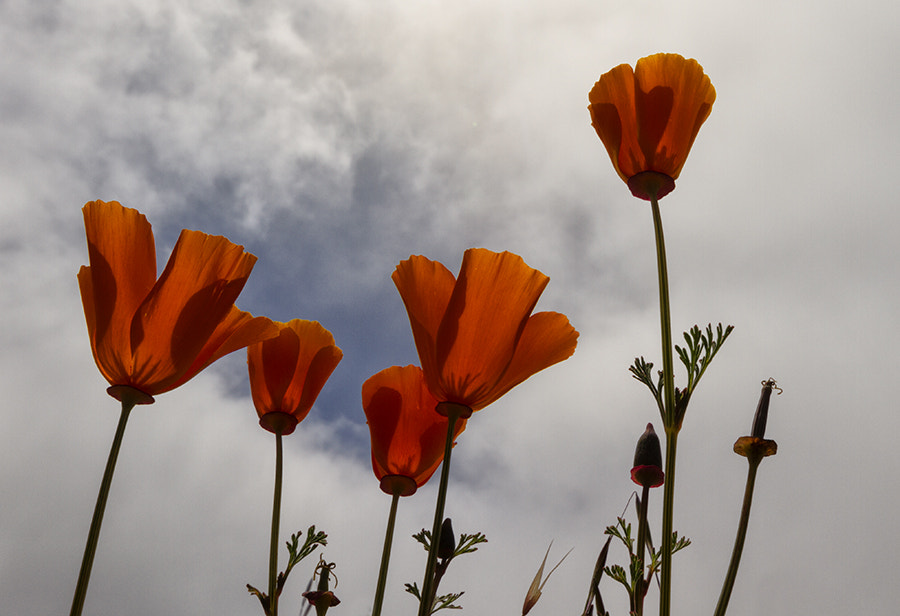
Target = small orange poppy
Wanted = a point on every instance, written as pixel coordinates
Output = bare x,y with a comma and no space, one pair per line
287,372
153,335
649,117
408,435
475,334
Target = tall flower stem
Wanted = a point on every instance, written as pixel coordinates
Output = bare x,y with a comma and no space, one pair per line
276,519
453,413
730,576
90,549
669,419
385,555
668,507
640,586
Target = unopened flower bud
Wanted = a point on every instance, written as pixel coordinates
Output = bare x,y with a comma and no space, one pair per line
447,542
647,469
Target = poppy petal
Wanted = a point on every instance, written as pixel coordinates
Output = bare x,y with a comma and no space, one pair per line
313,366
690,99
289,370
236,331
195,293
491,302
408,435
648,117
548,338
122,272
613,115
425,287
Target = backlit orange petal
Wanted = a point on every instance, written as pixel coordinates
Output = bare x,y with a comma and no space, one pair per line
269,379
86,286
548,338
491,302
317,360
648,118
408,435
288,371
425,287
122,272
613,115
236,331
678,98
196,291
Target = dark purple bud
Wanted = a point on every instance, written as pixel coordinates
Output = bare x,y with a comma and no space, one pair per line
447,542
647,469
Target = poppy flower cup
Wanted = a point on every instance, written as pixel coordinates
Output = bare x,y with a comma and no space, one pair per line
648,118
408,434
150,335
288,372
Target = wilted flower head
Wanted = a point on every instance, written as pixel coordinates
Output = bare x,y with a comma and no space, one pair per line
322,598
152,335
648,119
476,335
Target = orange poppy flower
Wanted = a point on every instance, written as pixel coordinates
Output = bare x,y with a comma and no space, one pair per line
287,372
475,335
649,117
153,335
408,435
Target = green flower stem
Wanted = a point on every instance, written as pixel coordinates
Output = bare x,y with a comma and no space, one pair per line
276,519
730,576
640,585
454,412
386,554
668,507
669,419
90,549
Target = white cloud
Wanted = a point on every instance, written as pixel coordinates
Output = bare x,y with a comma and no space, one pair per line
333,140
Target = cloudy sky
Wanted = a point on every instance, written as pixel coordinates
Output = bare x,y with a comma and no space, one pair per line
334,139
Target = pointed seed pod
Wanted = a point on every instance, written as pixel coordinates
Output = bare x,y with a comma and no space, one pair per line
762,409
756,445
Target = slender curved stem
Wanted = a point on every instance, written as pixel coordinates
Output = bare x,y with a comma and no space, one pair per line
385,555
276,519
669,419
453,415
87,562
730,576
